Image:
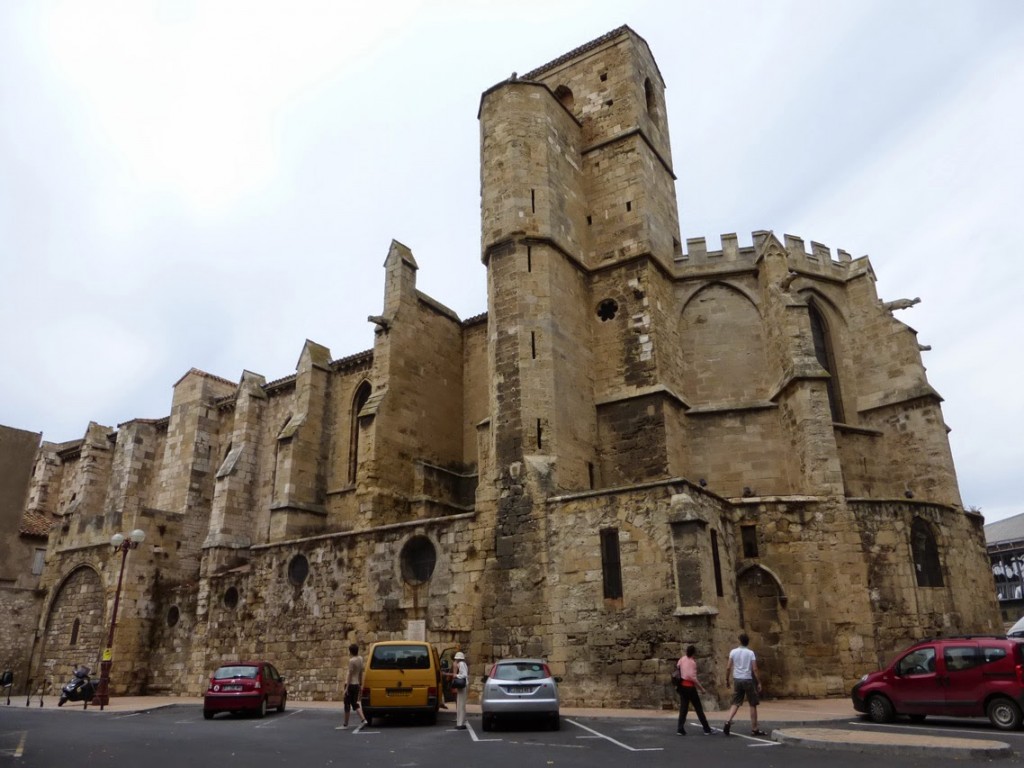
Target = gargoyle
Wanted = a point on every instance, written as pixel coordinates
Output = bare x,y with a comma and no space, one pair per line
787,281
889,306
382,323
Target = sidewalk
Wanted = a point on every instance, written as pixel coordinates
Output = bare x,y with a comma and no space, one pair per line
789,721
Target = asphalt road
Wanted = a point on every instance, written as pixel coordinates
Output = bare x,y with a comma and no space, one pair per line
178,736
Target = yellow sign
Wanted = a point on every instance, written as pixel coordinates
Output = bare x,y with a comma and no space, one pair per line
107,654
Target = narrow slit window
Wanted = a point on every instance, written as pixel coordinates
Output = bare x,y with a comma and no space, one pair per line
529,259
533,345
590,473
533,200
748,535
589,221
716,559
629,205
75,626
540,436
611,565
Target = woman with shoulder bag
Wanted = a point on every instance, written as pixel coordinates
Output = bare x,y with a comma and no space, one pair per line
460,684
689,691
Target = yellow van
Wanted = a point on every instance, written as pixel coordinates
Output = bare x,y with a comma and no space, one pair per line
402,676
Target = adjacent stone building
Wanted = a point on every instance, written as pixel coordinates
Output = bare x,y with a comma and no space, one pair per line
640,445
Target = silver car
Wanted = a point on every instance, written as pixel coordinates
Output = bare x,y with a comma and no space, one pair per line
520,688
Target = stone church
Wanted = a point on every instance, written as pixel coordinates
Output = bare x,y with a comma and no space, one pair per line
643,443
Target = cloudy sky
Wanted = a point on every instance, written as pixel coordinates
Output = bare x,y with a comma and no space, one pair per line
207,184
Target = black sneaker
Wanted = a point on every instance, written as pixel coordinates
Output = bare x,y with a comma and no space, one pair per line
680,733
726,727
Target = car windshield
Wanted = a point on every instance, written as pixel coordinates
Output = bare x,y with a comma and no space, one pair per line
237,670
520,670
400,657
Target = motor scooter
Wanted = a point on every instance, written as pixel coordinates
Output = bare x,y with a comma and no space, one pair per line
79,688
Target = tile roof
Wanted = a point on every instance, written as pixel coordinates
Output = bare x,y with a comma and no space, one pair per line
35,523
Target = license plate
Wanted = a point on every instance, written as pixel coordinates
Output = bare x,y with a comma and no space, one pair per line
519,689
398,691
231,687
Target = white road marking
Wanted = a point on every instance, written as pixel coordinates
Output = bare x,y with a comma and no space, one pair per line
613,741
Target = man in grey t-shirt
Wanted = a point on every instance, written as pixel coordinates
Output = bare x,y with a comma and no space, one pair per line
746,683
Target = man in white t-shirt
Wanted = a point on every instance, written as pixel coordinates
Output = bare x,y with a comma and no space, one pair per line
746,683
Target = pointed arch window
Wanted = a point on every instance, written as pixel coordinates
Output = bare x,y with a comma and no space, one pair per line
361,396
926,554
826,359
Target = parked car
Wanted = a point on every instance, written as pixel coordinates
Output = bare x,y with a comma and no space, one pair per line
970,676
1017,630
245,686
520,688
402,677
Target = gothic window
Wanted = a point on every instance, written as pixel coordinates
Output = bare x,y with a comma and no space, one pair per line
611,564
362,395
823,353
926,554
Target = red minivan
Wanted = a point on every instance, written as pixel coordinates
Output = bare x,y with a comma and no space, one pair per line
969,676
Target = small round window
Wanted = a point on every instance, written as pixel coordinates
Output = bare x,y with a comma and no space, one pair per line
298,570
418,560
231,598
173,616
607,310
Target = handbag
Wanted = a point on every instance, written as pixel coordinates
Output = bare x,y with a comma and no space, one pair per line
458,683
677,677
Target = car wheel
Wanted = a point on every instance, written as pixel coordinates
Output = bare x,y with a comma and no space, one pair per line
207,714
284,702
485,723
880,709
263,708
555,723
1003,714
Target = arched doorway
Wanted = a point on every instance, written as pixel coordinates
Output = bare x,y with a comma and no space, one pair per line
763,616
74,631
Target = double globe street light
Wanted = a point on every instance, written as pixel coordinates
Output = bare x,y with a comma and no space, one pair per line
121,544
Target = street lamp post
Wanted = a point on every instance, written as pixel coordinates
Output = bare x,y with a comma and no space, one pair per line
121,544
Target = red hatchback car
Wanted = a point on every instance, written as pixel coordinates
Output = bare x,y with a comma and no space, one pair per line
970,676
245,686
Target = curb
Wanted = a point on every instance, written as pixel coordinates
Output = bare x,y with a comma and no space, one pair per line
905,745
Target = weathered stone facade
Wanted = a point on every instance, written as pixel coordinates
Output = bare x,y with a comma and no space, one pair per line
639,446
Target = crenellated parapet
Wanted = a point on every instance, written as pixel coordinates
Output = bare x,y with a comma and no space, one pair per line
817,260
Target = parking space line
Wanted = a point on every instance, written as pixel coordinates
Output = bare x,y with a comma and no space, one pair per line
19,750
613,741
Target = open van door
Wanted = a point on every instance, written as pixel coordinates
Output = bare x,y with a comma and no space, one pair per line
447,667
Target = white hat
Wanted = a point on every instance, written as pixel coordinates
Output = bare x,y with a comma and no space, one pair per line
460,656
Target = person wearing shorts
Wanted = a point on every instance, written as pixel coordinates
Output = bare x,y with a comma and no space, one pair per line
746,684
353,684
